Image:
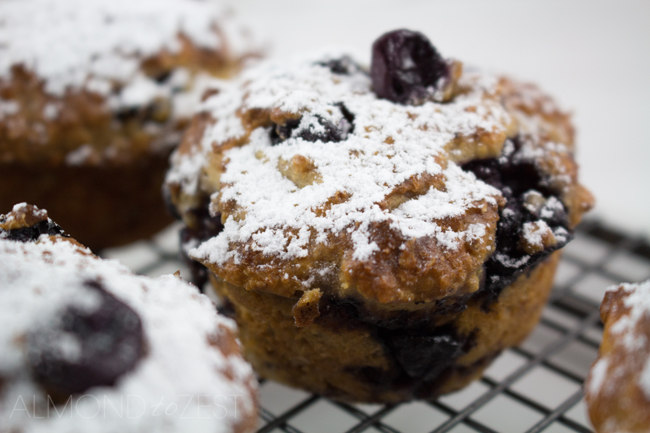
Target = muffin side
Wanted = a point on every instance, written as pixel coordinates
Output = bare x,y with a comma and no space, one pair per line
345,357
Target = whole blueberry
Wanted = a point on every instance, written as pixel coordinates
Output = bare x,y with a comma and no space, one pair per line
405,67
86,349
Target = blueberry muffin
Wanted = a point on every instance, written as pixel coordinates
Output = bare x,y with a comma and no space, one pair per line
617,389
93,97
85,345
379,235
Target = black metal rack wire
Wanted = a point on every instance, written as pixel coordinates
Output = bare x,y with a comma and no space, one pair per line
531,388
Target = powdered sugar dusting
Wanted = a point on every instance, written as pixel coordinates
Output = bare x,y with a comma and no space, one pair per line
80,155
644,379
93,43
638,302
389,145
186,171
8,108
534,231
597,376
181,369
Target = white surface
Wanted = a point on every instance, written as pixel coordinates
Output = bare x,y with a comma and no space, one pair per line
594,56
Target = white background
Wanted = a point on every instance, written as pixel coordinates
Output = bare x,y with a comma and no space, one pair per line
592,55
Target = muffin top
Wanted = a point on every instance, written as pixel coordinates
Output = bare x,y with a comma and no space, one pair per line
75,73
95,43
109,350
330,176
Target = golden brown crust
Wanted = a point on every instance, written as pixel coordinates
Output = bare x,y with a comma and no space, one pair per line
305,311
22,217
422,270
615,397
527,100
552,127
84,117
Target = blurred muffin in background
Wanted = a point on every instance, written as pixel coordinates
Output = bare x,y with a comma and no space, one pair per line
93,97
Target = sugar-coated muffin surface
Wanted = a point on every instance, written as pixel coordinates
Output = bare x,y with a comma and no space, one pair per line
306,160
97,92
617,389
85,345
380,208
84,81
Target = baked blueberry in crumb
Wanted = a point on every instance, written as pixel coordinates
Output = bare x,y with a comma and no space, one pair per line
280,133
316,129
424,355
406,68
422,349
206,227
341,66
320,129
529,203
32,233
87,348
26,223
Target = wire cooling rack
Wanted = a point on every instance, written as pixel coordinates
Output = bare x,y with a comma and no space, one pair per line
531,388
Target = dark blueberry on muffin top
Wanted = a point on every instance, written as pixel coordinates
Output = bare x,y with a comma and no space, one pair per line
406,68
